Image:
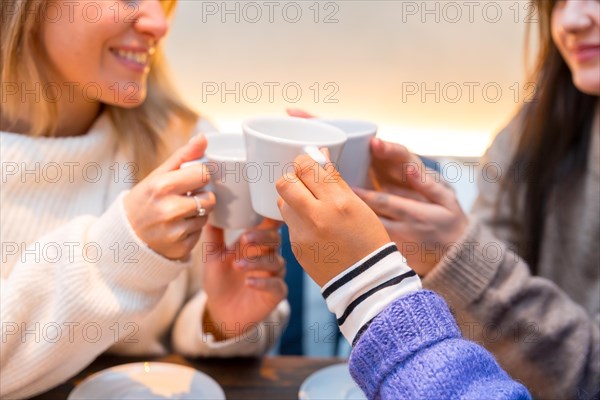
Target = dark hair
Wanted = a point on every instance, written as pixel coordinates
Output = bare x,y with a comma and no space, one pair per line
554,142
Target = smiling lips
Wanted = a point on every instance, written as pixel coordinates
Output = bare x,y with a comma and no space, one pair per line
584,53
134,58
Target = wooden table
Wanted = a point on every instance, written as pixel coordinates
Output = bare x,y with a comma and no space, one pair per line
241,378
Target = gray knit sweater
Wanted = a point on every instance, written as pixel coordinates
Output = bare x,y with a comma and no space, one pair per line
544,329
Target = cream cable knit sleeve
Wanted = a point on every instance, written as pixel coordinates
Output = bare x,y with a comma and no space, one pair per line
58,315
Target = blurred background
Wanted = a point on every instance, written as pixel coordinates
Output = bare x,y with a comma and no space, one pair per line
441,77
438,76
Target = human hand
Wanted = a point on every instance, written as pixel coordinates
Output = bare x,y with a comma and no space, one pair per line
296,112
244,284
330,227
159,210
420,213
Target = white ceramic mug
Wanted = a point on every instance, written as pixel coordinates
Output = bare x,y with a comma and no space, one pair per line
225,161
354,162
272,144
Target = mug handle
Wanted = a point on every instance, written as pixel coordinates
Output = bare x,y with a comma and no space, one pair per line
314,153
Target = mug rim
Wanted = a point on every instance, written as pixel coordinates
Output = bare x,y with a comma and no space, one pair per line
221,158
340,133
372,130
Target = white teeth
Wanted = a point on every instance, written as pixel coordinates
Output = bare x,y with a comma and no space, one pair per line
138,57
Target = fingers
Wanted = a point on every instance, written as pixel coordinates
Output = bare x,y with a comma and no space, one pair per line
322,182
261,235
181,230
193,150
202,200
181,181
403,167
176,208
295,112
192,239
398,227
391,151
268,224
256,242
188,206
293,193
194,225
275,286
272,264
310,183
402,191
180,238
392,161
295,214
387,205
431,188
308,171
215,238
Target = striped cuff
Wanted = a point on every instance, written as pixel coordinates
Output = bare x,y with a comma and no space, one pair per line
361,292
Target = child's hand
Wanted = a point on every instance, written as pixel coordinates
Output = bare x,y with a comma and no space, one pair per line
330,227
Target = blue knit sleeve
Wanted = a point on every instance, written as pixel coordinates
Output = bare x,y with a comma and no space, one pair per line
414,350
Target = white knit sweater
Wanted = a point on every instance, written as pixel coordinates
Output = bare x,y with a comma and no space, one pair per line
77,281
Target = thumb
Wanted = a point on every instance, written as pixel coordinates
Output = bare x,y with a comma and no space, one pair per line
193,150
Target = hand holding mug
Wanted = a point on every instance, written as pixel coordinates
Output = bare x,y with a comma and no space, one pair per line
420,213
354,161
159,210
243,284
272,143
322,212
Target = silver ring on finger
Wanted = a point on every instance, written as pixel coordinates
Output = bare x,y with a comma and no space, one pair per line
200,211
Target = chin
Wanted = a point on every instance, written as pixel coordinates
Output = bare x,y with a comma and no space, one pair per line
127,99
588,84
131,103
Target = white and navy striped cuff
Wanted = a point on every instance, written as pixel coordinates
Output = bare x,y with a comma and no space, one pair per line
361,292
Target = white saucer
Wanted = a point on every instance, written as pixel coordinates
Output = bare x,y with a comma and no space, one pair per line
331,383
149,380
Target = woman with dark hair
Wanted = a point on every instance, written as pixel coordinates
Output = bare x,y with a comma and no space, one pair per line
521,272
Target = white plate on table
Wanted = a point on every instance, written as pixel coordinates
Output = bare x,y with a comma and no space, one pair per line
148,380
331,383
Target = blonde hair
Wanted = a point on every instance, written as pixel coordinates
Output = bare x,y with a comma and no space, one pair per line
141,130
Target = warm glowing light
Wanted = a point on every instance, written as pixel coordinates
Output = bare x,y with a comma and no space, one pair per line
440,87
438,142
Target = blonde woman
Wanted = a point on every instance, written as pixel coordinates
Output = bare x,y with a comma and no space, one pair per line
104,239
